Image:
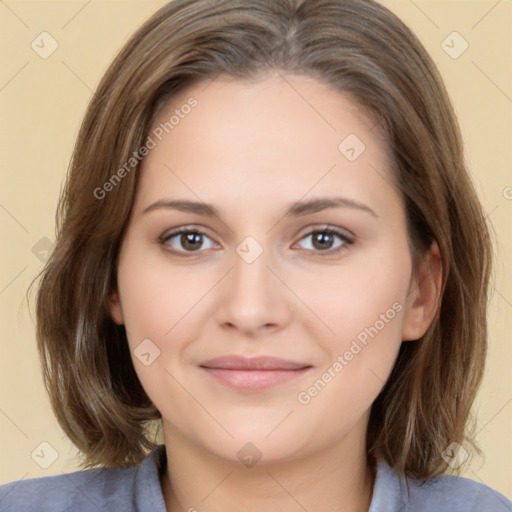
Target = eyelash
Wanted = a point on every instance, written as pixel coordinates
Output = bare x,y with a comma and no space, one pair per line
347,240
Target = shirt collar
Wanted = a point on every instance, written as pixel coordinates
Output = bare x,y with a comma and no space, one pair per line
388,492
148,491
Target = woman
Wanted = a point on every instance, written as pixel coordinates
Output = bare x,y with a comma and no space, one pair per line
269,242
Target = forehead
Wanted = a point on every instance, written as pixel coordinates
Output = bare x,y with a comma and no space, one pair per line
286,134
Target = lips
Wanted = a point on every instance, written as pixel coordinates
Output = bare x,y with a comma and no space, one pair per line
255,373
252,363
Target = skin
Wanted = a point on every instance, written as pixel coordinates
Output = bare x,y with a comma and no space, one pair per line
252,149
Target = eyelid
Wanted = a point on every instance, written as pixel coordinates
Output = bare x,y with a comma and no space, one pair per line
166,236
342,232
346,236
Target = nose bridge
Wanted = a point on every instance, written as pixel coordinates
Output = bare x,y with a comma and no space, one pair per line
252,296
250,275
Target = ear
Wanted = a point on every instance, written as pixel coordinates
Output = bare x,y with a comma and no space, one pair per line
114,307
424,295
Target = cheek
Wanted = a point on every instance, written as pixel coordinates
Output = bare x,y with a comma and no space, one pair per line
363,306
161,302
158,302
358,295
155,296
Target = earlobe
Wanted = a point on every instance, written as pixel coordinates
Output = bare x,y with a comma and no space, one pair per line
424,295
115,310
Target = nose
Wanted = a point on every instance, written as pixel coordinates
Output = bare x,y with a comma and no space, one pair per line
253,299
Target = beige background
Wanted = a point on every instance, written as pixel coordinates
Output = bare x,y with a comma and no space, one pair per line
42,102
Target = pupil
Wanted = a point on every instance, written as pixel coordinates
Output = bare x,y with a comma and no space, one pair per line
191,240
323,239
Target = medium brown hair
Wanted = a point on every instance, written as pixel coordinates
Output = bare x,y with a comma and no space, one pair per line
361,49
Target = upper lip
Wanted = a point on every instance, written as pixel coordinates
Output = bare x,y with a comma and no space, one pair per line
236,362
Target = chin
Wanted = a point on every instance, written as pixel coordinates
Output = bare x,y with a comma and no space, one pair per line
255,443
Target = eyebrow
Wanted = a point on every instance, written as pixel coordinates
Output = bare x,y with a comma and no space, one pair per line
298,209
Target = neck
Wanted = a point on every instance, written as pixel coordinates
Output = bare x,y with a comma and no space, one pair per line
337,479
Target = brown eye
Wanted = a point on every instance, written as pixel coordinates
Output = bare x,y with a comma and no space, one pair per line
325,240
186,240
191,241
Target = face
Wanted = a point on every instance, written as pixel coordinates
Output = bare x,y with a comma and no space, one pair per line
271,310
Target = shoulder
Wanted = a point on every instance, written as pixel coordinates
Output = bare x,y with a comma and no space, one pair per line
81,490
455,493
87,491
442,493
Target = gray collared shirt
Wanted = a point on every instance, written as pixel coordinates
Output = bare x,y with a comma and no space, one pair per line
137,489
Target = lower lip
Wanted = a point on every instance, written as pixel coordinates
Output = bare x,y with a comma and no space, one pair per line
254,380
